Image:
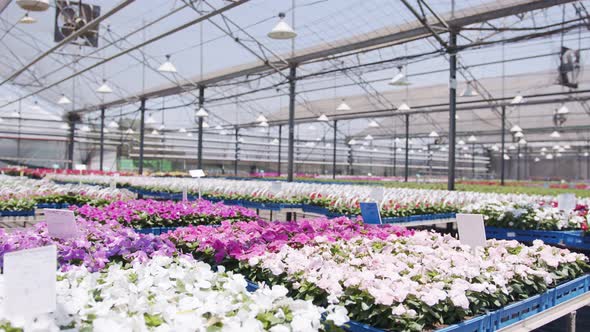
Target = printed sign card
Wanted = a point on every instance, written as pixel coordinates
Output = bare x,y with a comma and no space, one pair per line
61,223
276,187
370,213
566,202
196,173
30,282
471,230
377,194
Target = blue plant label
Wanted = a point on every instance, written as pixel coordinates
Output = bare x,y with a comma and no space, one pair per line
370,213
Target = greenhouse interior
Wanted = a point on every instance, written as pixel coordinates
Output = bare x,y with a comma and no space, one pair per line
294,165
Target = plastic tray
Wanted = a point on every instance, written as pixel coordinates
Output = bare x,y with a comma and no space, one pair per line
574,239
24,213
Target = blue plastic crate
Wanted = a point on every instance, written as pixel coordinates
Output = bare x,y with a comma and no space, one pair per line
574,239
23,213
315,209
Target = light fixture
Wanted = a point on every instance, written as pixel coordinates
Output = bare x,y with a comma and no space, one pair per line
555,134
461,142
218,127
155,132
241,140
472,139
323,118
433,134
556,147
205,125
201,113
561,150
537,159
105,130
373,124
522,141
495,147
27,19
465,148
104,88
443,149
586,154
516,128
15,114
63,100
33,5
274,141
352,142
469,91
223,132
343,106
398,150
542,153
113,125
129,131
150,120
167,66
189,134
518,99
162,127
282,30
182,130
263,124
362,148
567,146
261,118
506,157
549,156
399,78
511,147
543,149
369,137
518,134
563,110
64,126
403,107
558,154
85,128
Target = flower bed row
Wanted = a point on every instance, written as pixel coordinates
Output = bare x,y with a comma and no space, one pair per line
336,200
387,278
21,194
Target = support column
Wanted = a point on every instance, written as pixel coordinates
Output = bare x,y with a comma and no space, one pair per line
141,135
291,149
200,142
102,110
518,162
503,147
280,147
237,149
334,150
72,123
394,157
452,50
407,152
473,161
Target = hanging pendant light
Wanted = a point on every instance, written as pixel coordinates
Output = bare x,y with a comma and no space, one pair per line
352,142
586,154
403,107
104,88
472,139
567,146
373,124
543,149
399,79
522,141
205,124
506,157
182,130
495,147
150,120
223,132
563,110
189,134
218,127
511,147
549,156
201,113
515,128
537,159
155,132
343,107
282,30
105,130
469,91
261,118
64,126
518,134
36,108
161,127
263,124
129,131
15,114
323,118
33,5
274,141
85,128
461,142
27,19
63,100
167,66
369,137
518,99
433,134
555,134
113,125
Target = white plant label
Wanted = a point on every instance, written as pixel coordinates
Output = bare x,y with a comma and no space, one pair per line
471,230
80,167
276,187
377,194
196,173
185,193
566,202
61,223
30,282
